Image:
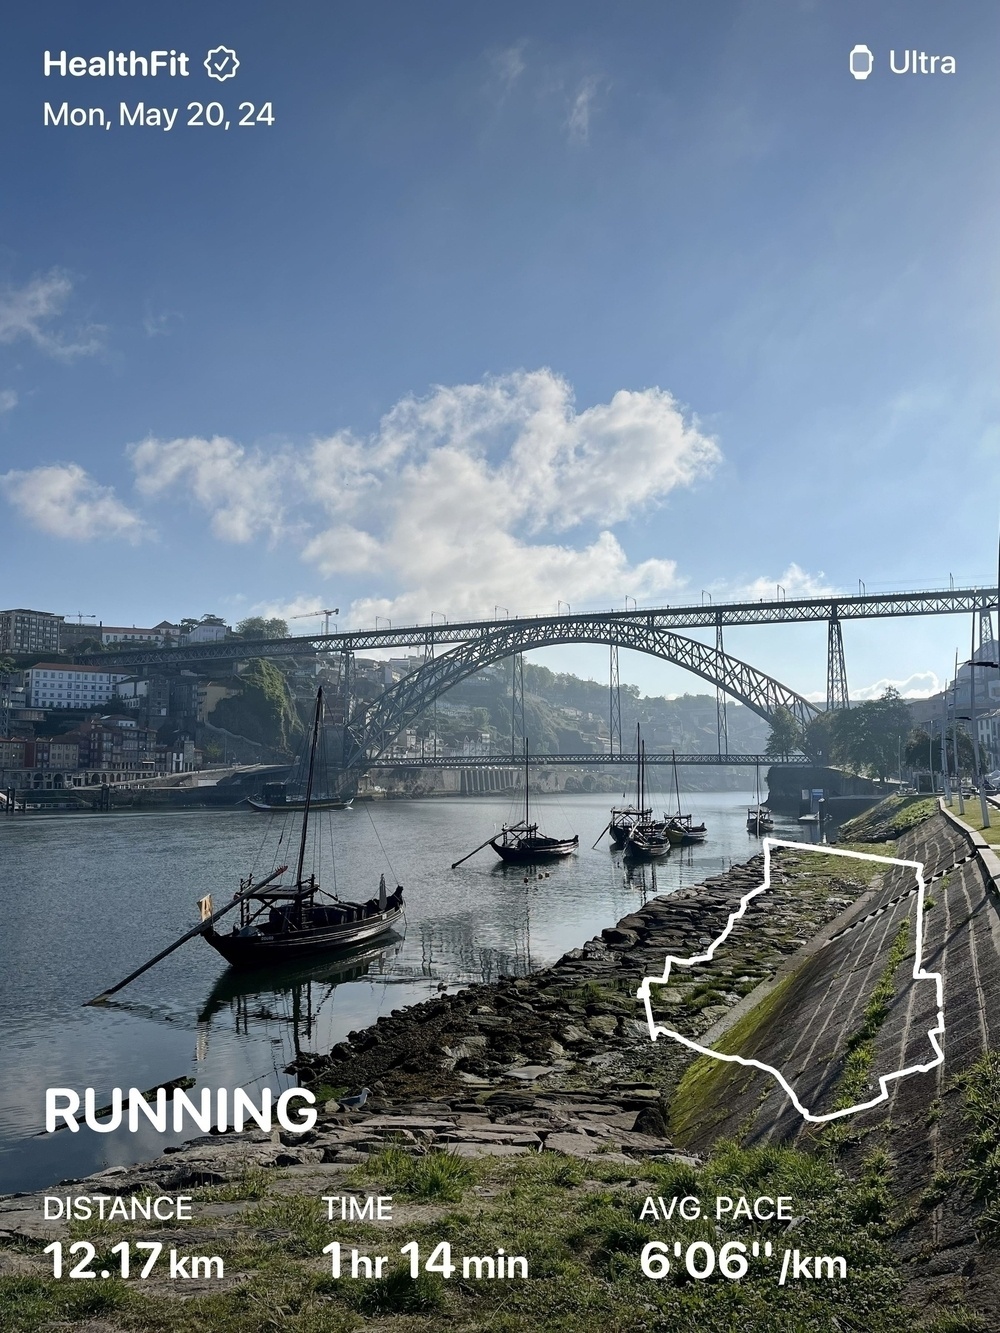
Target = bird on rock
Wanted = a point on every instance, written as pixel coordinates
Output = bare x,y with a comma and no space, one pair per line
354,1103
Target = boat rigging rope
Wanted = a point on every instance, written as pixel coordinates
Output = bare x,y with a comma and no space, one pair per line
379,841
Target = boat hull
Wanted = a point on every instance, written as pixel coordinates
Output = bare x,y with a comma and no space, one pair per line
684,837
258,950
652,850
278,807
530,851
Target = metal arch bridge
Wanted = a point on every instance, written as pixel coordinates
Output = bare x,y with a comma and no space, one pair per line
369,736
834,610
481,642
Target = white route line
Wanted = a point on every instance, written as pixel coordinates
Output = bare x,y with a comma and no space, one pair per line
919,974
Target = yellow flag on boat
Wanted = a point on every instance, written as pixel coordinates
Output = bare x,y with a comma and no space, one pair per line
205,906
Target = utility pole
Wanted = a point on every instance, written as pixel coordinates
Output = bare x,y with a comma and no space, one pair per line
984,808
954,736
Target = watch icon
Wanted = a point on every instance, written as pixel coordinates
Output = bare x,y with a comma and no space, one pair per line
861,61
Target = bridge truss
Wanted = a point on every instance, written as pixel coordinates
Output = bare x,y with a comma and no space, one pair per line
592,760
778,612
374,732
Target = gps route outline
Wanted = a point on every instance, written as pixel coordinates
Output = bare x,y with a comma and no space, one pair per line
919,974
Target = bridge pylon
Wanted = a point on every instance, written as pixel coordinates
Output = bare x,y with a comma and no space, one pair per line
517,732
836,667
616,703
721,713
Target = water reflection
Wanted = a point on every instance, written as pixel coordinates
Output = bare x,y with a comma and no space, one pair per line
104,895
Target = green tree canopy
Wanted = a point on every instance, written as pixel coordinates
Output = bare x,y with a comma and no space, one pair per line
922,752
786,735
869,737
258,627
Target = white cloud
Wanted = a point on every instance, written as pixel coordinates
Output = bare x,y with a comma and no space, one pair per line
446,502
460,499
921,685
8,400
794,582
509,64
158,324
30,312
578,119
241,489
63,501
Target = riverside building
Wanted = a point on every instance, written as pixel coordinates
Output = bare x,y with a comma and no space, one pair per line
57,685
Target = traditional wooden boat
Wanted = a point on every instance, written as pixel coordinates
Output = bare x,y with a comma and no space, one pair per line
623,819
275,798
283,922
759,817
521,843
646,839
681,829
646,842
759,820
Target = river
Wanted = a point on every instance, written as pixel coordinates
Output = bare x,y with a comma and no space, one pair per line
87,898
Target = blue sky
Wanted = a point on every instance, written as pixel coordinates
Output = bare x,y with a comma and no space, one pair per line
510,305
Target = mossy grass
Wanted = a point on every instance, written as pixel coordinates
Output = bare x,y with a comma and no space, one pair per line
980,1085
860,1057
706,1085
578,1222
435,1176
889,819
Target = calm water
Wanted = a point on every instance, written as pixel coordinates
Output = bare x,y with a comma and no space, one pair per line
88,898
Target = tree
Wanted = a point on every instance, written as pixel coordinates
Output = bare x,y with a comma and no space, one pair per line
820,740
923,753
786,735
258,627
869,737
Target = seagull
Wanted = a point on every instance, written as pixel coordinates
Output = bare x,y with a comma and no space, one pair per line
354,1103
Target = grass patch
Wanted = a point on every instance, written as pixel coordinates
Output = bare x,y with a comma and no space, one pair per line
578,1223
435,1176
889,819
861,1044
980,1084
704,1085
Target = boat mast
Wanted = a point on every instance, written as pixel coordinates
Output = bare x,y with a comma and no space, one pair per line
309,786
525,783
638,768
677,785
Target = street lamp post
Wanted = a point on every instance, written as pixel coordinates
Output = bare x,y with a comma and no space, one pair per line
954,737
944,749
984,808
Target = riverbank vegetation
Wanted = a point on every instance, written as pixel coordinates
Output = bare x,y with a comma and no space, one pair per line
577,1222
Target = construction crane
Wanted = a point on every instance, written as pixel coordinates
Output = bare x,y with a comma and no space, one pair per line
312,615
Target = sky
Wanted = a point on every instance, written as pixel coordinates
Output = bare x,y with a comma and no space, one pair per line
505,307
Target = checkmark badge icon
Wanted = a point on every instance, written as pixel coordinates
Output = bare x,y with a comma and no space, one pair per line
222,63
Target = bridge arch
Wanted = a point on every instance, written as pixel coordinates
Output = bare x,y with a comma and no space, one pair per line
370,735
